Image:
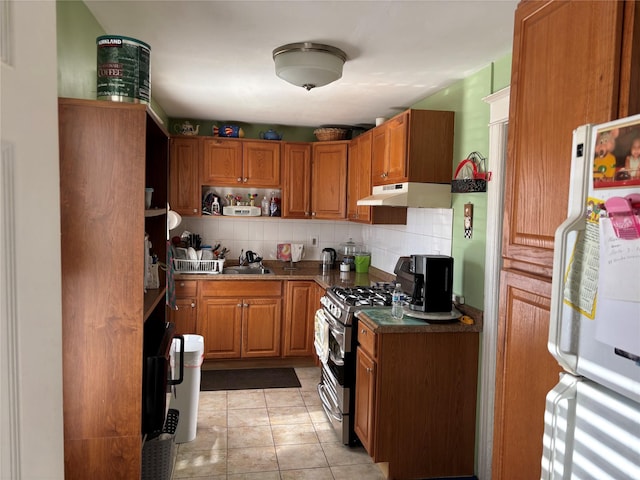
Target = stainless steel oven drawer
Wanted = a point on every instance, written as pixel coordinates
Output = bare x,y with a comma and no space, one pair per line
339,421
339,393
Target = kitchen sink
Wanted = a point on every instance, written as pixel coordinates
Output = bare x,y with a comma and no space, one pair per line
246,270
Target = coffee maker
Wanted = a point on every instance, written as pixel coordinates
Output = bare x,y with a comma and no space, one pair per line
429,281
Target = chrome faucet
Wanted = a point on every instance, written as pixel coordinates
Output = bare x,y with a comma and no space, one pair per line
242,259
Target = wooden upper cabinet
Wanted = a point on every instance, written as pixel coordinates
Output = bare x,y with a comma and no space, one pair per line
247,163
261,163
221,161
359,184
296,190
563,75
414,146
184,175
329,180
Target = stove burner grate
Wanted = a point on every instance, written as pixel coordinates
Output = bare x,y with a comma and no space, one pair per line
364,296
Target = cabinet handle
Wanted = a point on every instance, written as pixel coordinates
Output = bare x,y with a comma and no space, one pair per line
313,214
239,305
239,179
363,331
245,305
369,370
182,284
245,180
193,304
195,210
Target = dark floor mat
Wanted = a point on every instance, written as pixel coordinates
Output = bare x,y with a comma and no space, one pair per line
248,379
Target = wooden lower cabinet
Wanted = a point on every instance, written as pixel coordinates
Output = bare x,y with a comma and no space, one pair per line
240,319
220,324
185,316
261,323
416,401
301,303
526,372
365,391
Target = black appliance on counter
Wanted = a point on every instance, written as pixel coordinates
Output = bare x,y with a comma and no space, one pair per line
336,343
156,373
428,279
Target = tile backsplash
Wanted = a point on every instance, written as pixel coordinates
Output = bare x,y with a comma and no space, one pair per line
428,231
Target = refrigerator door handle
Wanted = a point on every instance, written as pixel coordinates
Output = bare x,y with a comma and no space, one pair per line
581,169
558,436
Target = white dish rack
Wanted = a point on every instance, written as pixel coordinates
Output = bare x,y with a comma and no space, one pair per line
198,266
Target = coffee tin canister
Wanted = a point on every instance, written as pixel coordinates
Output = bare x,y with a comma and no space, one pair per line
123,69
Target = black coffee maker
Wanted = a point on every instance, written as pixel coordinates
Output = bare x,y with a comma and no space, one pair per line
429,281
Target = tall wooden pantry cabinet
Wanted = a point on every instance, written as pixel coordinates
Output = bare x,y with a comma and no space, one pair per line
109,153
573,63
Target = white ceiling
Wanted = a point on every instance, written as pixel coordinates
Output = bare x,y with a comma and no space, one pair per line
212,60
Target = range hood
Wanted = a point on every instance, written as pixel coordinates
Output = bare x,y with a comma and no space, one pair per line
410,194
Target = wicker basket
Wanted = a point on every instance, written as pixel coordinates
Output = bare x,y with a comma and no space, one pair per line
158,453
327,134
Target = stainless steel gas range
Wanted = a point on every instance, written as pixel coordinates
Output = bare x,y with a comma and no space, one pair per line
335,343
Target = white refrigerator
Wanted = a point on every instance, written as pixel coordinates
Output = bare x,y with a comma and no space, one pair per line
592,416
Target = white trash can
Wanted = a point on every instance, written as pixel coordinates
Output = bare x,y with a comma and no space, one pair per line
185,396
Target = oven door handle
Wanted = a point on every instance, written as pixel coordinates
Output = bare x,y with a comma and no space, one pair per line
332,321
337,361
325,401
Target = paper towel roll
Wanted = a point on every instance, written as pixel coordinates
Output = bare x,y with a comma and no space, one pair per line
296,251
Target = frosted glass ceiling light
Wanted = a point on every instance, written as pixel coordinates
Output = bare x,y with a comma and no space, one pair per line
309,65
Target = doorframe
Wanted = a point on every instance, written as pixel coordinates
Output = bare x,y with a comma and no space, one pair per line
498,126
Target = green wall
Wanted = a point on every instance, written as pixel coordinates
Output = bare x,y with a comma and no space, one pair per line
289,133
77,30
471,135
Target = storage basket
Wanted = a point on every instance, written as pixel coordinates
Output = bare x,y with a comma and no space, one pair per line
159,452
198,266
327,134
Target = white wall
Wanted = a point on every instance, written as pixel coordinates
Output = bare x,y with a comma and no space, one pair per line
31,430
428,231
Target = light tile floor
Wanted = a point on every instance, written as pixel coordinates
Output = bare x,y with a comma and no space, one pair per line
272,434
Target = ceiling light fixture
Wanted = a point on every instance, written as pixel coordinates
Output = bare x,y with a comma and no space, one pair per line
309,65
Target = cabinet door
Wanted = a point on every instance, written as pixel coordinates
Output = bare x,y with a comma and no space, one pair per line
184,176
526,372
352,184
359,178
261,164
296,191
365,400
396,138
379,154
185,316
222,162
261,325
363,213
300,307
329,180
562,77
220,323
